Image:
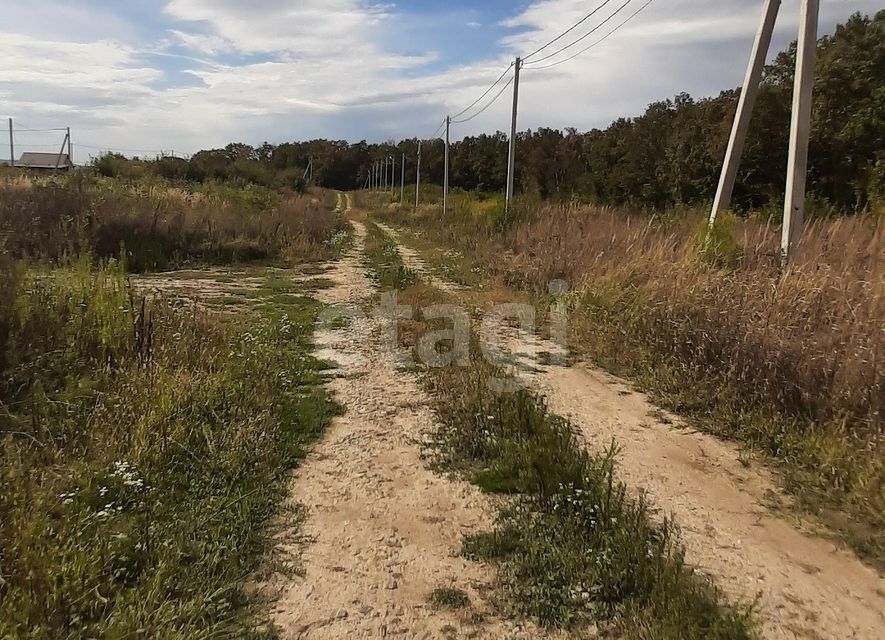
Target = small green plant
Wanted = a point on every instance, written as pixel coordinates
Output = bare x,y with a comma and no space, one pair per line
449,598
716,244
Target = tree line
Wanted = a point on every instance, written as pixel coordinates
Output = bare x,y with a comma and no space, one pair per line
669,155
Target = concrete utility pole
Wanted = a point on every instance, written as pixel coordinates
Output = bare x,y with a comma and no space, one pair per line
511,158
71,150
11,145
747,100
446,172
392,174
800,128
402,181
418,178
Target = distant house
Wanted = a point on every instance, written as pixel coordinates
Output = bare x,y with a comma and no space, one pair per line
45,161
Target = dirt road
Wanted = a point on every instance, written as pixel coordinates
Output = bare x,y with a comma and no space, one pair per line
383,531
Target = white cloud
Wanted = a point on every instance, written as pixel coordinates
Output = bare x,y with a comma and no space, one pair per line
307,28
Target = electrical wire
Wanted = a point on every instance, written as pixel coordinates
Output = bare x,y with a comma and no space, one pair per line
481,111
487,92
438,130
86,146
600,41
585,36
568,31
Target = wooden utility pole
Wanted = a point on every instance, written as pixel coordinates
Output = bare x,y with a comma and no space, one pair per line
11,145
71,150
511,157
402,182
446,172
747,100
64,143
800,128
418,177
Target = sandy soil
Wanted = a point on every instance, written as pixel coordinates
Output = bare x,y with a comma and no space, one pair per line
807,587
383,531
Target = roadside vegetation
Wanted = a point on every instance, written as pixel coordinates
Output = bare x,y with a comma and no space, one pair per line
574,549
145,443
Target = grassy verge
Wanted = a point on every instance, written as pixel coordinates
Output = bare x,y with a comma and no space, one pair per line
144,446
573,549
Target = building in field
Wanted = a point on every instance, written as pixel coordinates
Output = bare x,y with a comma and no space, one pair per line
45,161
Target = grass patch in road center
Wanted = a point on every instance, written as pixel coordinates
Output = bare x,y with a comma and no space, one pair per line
384,261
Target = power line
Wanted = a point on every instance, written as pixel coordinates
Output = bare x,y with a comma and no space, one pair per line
600,41
86,146
481,111
438,130
585,36
568,31
487,91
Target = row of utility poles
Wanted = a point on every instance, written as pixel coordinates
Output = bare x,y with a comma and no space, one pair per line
794,204
382,176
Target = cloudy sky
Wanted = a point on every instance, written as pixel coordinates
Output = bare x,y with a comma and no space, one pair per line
152,75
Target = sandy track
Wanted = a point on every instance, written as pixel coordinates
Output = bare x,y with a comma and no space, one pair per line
808,587
383,530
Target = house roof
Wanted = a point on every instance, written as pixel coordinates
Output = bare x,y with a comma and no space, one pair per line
44,161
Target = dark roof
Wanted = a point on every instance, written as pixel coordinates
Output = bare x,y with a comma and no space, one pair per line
44,161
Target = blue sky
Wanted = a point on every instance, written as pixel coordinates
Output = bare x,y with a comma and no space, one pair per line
162,75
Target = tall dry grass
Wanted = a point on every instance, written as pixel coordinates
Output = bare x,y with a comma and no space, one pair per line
158,227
